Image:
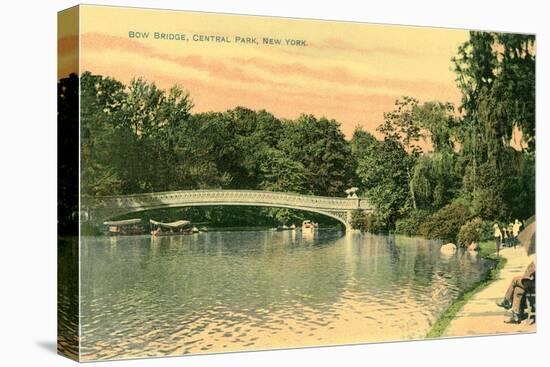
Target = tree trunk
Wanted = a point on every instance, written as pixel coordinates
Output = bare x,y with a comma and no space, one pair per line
411,190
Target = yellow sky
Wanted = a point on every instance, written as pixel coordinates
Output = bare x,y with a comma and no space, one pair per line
67,44
351,72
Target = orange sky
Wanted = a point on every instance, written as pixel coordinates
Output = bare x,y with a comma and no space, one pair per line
351,72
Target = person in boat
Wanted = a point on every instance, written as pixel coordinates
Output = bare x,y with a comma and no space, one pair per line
124,227
514,299
307,224
172,228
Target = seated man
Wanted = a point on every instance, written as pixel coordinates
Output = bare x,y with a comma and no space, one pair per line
515,295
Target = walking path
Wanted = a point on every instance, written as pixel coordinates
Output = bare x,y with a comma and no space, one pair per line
481,315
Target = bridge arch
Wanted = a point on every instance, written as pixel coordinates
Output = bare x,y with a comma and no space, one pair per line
335,216
98,209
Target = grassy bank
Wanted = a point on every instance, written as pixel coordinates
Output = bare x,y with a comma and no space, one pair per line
487,251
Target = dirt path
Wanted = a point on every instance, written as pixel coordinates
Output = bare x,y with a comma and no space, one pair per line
481,316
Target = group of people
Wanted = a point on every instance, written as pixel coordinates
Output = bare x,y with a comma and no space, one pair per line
508,235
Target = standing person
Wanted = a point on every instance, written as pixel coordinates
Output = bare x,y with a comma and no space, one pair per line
498,237
505,236
515,231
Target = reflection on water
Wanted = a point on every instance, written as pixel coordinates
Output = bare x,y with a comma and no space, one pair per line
67,296
223,291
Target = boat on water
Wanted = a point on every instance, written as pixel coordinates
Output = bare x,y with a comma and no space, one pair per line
126,227
284,227
178,227
307,224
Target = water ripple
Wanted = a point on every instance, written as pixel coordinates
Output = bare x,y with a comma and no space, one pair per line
254,290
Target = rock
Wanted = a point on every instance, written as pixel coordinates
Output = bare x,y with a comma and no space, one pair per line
448,248
474,246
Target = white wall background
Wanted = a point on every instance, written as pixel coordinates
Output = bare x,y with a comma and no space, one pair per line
28,181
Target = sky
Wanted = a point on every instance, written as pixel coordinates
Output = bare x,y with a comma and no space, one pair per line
350,72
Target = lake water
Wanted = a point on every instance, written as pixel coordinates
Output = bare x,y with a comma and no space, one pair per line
227,291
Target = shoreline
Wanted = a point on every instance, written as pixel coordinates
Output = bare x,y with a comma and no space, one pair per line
463,316
443,321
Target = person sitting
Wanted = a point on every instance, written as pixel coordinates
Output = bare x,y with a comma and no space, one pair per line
514,298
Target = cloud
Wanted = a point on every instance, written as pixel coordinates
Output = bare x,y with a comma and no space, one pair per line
341,45
287,86
215,68
237,69
67,45
343,77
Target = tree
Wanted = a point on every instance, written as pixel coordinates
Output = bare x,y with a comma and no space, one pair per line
165,139
438,123
279,173
382,170
498,70
319,145
435,180
401,126
67,155
436,175
100,102
496,74
154,118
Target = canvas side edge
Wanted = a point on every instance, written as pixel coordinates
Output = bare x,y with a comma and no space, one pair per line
68,288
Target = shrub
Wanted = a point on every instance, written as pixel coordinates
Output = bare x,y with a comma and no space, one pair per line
375,224
470,232
372,222
446,222
358,220
410,225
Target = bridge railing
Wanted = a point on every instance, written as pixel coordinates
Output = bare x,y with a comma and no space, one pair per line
250,197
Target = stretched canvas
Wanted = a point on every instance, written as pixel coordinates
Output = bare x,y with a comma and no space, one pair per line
238,183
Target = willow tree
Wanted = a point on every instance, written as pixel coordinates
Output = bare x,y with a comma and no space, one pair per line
496,75
436,174
401,125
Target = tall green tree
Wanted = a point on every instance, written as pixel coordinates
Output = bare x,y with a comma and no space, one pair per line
100,103
401,126
436,177
381,167
153,117
496,75
320,146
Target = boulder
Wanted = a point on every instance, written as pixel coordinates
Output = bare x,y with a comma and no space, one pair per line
448,248
474,246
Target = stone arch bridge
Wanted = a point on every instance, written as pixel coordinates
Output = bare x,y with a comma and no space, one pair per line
97,209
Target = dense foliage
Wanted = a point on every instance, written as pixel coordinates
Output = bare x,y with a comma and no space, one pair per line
445,223
139,138
435,167
481,162
471,231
